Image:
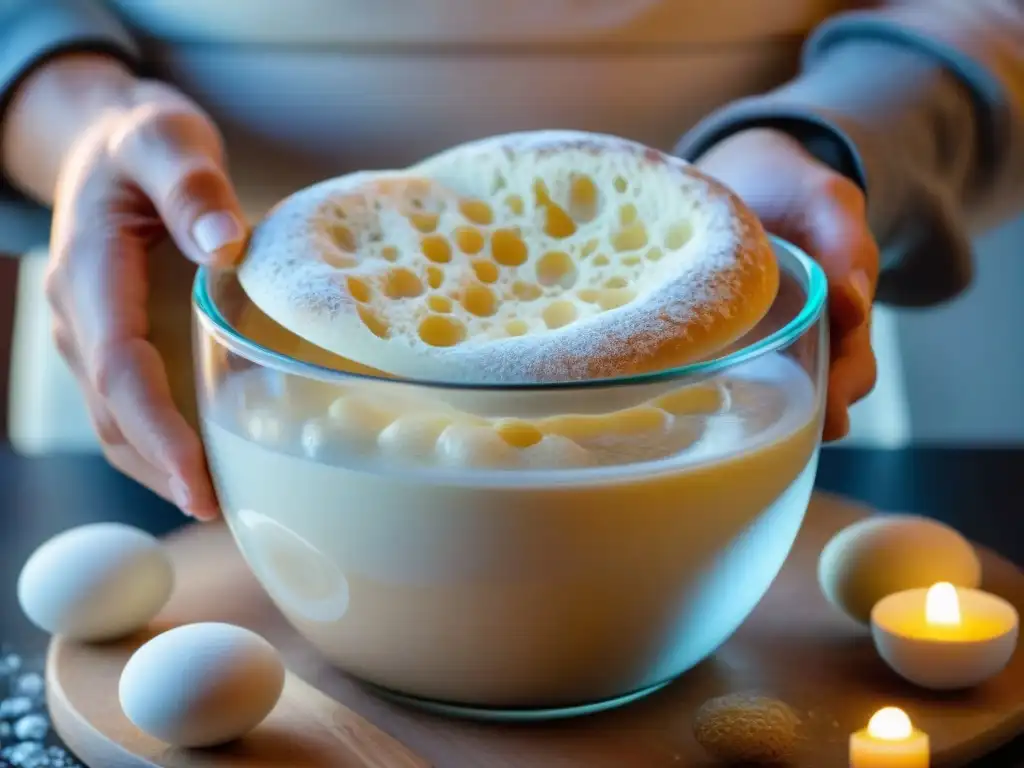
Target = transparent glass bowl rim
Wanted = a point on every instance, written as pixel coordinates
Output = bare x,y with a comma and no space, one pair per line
817,290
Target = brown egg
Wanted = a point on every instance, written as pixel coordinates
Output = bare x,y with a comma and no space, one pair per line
890,553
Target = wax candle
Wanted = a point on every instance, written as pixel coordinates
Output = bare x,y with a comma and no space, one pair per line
945,637
889,741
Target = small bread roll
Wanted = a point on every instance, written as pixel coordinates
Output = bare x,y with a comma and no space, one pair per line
748,729
531,257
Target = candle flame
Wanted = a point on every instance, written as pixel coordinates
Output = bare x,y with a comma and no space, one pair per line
942,605
890,724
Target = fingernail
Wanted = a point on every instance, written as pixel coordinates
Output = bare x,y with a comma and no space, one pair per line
215,231
180,494
861,286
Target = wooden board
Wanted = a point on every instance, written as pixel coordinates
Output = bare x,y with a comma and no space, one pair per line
794,646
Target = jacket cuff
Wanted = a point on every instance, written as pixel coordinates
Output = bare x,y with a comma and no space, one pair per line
885,115
38,31
30,35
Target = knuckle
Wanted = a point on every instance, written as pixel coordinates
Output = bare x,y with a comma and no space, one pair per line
64,341
865,379
54,283
91,238
184,453
839,189
110,360
120,458
157,123
108,430
870,376
197,183
104,423
141,128
166,126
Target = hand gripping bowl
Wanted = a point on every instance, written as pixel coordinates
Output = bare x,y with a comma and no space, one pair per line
534,550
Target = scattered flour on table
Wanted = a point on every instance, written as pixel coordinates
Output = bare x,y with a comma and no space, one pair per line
26,740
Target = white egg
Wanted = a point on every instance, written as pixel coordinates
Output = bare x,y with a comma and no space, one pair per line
95,583
201,685
462,445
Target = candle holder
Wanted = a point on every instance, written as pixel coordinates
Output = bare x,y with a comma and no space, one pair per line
945,637
889,741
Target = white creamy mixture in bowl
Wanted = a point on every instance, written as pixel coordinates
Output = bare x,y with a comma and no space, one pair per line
536,549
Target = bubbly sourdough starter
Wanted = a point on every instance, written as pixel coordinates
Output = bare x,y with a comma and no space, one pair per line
468,570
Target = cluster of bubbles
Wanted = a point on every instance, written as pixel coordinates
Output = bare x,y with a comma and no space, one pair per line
26,740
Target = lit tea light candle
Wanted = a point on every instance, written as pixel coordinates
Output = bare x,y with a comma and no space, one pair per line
945,637
889,741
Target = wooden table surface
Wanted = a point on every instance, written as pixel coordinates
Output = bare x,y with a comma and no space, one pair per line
980,492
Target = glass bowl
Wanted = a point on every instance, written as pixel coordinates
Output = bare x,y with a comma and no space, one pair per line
517,552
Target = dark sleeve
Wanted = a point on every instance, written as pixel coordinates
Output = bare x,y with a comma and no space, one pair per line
926,114
32,31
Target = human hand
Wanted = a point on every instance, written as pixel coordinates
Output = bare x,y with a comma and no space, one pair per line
149,168
808,204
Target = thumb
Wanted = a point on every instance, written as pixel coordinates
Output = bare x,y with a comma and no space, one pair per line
834,232
849,257
176,162
202,214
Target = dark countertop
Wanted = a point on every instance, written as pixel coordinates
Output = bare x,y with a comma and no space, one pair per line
978,491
